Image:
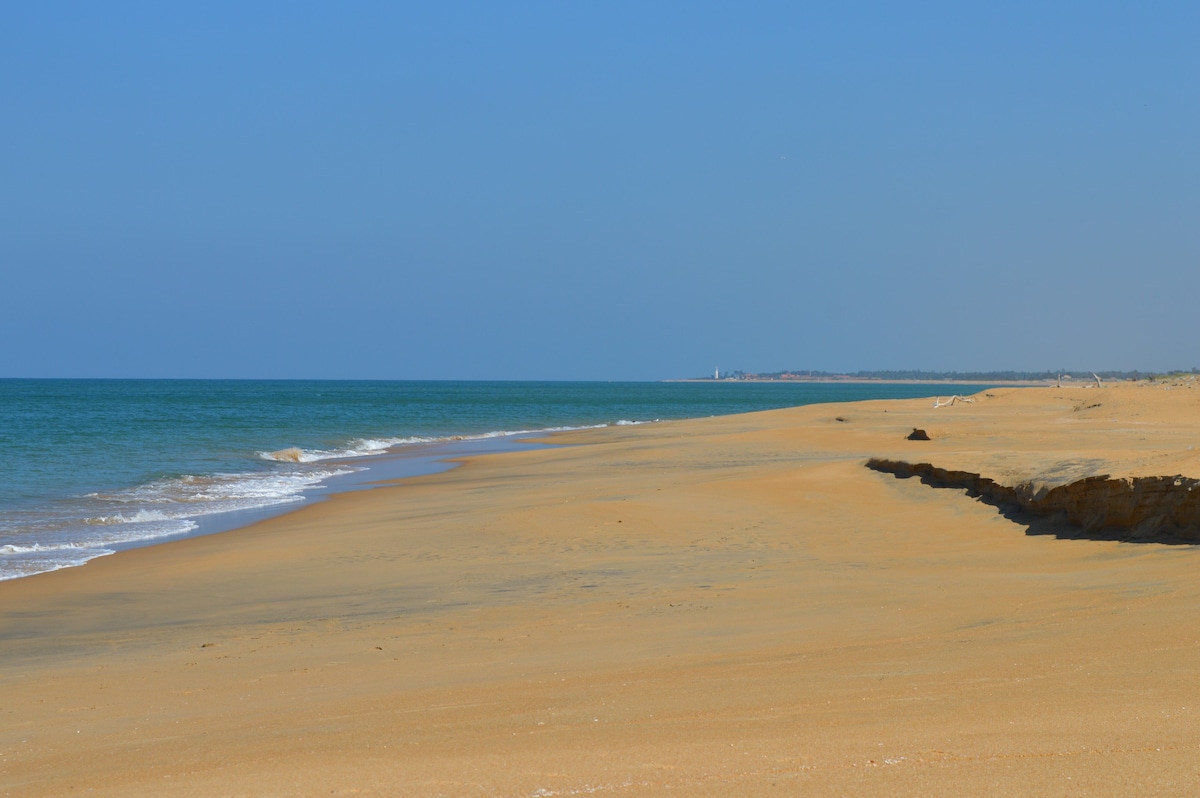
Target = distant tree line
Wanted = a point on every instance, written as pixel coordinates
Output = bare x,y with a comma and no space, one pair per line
950,376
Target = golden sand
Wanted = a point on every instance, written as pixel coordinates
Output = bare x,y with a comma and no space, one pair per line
712,607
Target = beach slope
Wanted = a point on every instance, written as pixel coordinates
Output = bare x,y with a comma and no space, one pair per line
722,606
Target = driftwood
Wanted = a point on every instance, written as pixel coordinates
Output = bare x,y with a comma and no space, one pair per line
956,398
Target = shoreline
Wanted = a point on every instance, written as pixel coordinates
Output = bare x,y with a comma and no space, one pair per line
362,473
61,512
370,472
697,606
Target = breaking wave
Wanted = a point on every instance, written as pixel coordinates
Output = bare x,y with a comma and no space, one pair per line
91,526
368,447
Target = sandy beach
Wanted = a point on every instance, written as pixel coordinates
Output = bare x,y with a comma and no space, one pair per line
723,606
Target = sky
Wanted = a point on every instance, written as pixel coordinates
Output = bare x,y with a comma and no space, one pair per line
596,190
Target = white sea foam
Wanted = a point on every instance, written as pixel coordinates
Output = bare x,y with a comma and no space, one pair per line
141,516
12,548
92,525
96,524
132,533
81,539
368,447
15,568
214,493
358,448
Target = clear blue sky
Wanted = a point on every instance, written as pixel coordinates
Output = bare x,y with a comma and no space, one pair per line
597,190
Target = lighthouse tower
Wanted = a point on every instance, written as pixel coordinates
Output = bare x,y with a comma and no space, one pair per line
716,374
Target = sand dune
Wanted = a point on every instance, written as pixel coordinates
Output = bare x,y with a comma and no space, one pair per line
722,606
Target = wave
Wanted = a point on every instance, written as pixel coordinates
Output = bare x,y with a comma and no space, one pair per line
12,548
141,516
74,531
30,565
191,495
369,447
117,534
92,525
365,447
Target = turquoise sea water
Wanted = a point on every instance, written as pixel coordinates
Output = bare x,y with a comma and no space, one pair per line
90,466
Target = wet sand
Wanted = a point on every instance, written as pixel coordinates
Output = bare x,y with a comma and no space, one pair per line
721,606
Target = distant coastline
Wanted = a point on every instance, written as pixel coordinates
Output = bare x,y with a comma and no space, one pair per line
868,381
897,377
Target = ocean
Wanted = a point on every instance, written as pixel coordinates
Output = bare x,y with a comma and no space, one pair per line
88,467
